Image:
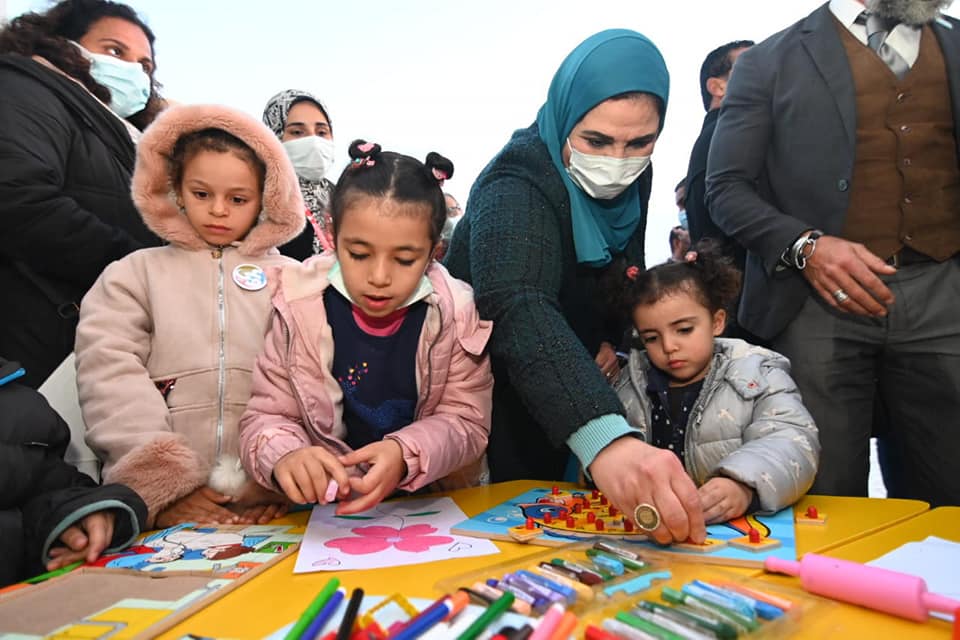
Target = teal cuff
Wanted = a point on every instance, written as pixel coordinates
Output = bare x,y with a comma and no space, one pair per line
587,441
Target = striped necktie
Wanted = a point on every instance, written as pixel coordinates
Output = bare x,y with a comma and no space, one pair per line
878,28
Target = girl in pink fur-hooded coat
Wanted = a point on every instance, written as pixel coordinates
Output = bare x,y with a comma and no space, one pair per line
168,336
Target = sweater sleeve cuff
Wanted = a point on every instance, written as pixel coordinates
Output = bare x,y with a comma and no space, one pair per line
587,441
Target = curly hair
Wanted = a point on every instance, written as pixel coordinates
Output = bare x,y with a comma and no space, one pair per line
49,34
385,174
708,275
218,140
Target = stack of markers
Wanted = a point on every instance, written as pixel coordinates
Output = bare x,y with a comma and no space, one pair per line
566,582
699,611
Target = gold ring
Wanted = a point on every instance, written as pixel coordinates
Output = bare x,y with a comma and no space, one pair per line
646,516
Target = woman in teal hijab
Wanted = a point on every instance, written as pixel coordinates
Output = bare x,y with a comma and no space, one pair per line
552,222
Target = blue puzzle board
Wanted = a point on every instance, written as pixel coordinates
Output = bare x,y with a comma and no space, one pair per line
496,522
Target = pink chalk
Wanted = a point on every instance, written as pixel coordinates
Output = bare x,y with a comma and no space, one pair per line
881,589
332,489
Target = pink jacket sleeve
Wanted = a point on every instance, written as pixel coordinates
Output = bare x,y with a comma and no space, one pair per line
455,434
271,426
128,424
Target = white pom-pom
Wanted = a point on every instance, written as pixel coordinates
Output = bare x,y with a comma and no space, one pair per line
228,476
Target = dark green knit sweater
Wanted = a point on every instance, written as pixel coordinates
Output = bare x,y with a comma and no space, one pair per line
515,246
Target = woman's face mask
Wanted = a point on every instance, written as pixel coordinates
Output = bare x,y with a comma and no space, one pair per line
312,156
128,83
604,177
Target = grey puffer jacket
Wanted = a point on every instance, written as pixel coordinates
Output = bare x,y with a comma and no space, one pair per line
748,423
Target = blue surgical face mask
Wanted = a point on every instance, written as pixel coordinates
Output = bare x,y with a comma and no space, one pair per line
683,219
128,83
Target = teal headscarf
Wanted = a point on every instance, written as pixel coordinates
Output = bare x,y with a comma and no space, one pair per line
604,65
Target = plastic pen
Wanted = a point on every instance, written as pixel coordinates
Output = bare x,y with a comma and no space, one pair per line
685,629
442,609
719,599
311,611
762,596
548,623
585,575
320,620
678,597
350,616
53,574
625,632
486,618
648,627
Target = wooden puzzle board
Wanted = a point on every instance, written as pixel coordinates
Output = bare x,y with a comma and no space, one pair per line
495,524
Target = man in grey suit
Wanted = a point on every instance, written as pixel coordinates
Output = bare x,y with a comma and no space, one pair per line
835,163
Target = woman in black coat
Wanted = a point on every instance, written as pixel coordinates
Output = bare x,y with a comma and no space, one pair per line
76,86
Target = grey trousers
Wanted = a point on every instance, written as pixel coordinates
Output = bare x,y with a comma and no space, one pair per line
911,357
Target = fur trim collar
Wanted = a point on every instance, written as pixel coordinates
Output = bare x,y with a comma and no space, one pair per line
283,209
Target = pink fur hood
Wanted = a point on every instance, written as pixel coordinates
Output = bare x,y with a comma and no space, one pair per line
283,209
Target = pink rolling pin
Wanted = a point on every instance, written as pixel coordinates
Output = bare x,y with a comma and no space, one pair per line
881,589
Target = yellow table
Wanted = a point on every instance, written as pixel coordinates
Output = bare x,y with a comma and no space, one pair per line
277,597
848,621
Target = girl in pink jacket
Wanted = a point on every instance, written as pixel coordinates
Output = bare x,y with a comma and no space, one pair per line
404,398
168,336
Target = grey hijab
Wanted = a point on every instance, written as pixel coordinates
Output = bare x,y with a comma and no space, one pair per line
316,195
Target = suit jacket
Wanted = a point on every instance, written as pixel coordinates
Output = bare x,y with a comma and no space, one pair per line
783,153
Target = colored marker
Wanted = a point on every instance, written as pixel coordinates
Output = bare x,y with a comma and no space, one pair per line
762,609
323,616
684,629
585,575
596,633
679,597
762,596
53,574
565,627
623,631
616,550
633,565
443,609
720,599
648,627
715,626
548,570
350,616
611,563
548,623
486,618
567,592
512,633
312,609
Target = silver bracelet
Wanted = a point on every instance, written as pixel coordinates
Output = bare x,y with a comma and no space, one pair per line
797,256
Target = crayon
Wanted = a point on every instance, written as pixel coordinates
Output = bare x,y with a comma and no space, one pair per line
312,609
486,618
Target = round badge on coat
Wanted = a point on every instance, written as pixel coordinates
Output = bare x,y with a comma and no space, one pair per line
249,277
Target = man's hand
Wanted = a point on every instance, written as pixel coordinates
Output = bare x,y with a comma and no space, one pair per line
840,265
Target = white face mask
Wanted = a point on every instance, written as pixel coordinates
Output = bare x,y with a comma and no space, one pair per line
603,177
311,156
128,83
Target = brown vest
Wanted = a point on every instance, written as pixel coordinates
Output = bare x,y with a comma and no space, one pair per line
906,182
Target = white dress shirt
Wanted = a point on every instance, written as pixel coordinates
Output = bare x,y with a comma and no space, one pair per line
905,39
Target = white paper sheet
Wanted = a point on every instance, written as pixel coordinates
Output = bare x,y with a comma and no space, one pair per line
935,560
391,534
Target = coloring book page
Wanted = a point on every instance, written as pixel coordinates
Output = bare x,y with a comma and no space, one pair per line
389,535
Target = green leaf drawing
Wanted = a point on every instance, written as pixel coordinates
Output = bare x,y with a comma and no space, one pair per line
423,513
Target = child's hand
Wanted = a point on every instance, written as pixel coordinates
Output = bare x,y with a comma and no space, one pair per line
724,499
387,469
203,506
258,505
85,540
305,473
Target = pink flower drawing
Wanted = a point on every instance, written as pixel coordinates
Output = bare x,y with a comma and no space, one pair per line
416,539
